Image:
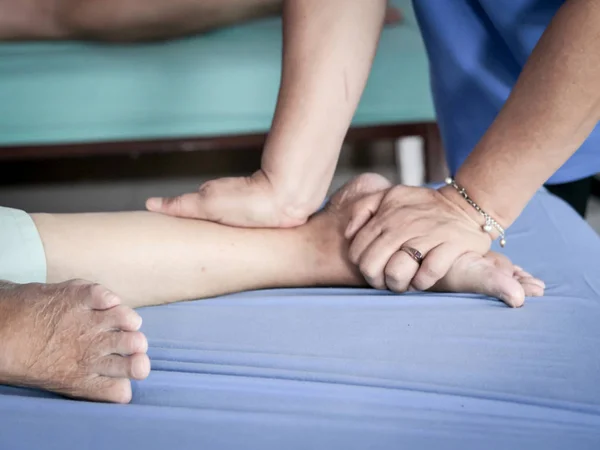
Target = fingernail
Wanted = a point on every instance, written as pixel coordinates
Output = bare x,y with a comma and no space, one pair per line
154,204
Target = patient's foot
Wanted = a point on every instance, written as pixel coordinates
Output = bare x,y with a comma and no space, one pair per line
72,338
493,275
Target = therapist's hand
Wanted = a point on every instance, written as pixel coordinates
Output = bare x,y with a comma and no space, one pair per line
433,222
237,201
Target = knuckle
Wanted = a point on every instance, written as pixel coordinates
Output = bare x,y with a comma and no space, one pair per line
207,190
392,274
174,204
369,271
396,190
376,227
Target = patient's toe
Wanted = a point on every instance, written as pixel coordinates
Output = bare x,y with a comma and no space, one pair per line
124,343
113,390
121,318
135,367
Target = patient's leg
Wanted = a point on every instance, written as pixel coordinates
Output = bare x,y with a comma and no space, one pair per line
129,20
150,259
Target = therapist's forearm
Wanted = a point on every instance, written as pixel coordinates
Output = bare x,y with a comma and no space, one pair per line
328,51
150,259
549,114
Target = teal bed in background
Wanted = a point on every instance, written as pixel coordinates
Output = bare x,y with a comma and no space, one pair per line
208,92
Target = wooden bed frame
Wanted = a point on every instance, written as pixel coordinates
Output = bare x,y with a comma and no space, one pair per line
428,131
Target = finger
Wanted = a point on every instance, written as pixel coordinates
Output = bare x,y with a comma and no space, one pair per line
399,271
374,259
362,211
436,265
186,205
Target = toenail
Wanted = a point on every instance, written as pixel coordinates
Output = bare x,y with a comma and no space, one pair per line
137,322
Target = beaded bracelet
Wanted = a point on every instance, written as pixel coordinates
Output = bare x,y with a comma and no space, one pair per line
490,223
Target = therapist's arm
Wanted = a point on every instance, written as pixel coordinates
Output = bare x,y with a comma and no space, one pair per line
550,112
328,48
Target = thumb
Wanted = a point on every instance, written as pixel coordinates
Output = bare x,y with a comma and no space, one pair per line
186,205
362,211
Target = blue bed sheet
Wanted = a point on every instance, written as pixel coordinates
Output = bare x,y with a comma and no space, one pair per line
357,369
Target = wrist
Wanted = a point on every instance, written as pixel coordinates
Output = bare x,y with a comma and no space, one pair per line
457,200
292,204
300,191
488,200
459,196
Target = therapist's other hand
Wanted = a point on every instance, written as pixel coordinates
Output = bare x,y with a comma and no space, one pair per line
237,201
430,221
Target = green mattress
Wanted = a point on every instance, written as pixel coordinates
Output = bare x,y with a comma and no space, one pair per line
223,83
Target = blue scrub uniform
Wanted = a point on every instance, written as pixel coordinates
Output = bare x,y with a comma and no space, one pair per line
477,49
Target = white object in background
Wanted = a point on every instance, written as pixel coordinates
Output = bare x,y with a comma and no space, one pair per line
410,160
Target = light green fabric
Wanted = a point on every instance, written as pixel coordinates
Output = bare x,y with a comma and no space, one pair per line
22,258
222,83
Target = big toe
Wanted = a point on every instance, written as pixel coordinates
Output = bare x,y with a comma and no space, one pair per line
504,287
474,274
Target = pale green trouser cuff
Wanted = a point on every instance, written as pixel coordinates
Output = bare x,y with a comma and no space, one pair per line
22,257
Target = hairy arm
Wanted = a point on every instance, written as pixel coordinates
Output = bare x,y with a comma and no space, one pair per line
552,109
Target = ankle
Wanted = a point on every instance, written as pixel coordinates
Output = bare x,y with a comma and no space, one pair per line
7,294
329,249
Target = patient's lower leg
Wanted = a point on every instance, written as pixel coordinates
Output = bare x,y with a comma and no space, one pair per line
130,20
150,259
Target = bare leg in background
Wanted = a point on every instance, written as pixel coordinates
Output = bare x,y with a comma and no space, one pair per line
130,20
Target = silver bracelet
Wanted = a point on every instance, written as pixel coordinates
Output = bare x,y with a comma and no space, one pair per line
490,223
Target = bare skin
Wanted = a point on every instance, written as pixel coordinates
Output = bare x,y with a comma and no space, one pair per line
130,20
72,338
80,339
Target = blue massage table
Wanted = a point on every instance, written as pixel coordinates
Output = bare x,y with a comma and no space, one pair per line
357,368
